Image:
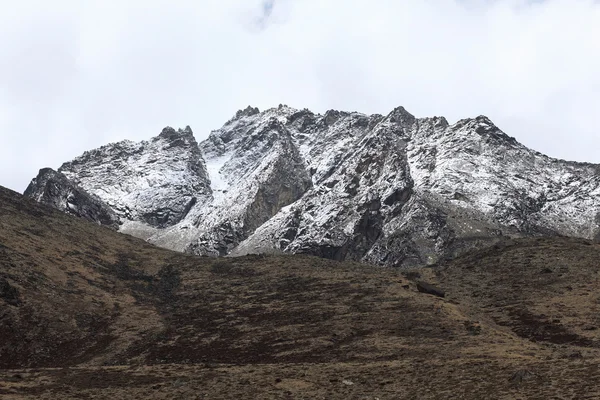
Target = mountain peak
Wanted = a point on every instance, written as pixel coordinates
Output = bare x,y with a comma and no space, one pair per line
169,132
331,116
401,116
179,137
247,112
484,127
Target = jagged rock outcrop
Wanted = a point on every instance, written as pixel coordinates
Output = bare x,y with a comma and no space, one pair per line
255,169
54,189
403,191
155,182
393,190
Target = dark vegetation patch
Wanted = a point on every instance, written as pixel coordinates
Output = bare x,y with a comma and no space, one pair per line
123,270
225,267
9,293
541,329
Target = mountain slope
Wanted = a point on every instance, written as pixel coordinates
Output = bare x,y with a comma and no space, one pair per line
155,182
86,312
392,190
56,190
405,191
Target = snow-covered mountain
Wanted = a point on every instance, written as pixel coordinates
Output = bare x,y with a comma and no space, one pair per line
393,190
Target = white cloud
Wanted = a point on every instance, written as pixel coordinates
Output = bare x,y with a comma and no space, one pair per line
75,75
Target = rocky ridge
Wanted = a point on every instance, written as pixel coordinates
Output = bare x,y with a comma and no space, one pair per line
394,190
56,190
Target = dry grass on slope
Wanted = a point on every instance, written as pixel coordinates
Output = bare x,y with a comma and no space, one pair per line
89,313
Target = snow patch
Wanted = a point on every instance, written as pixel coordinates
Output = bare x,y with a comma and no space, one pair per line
218,182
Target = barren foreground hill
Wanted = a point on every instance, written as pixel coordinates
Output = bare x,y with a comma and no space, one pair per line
86,312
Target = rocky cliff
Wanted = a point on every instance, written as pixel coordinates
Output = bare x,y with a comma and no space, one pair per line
393,190
54,189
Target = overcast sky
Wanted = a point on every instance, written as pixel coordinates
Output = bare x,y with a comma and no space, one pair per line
75,75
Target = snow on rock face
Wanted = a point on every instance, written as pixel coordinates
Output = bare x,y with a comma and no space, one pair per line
358,176
54,189
255,170
156,182
403,191
393,190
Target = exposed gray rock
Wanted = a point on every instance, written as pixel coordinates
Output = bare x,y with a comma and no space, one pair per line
428,288
254,174
247,112
403,191
521,376
156,182
54,189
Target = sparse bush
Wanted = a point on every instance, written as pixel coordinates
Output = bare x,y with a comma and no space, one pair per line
411,275
221,267
473,327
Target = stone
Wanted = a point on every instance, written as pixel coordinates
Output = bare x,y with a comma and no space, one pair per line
56,190
521,376
428,288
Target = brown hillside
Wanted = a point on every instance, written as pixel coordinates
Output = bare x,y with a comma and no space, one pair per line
86,312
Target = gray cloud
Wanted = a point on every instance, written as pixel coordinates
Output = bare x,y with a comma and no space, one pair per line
267,10
75,75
